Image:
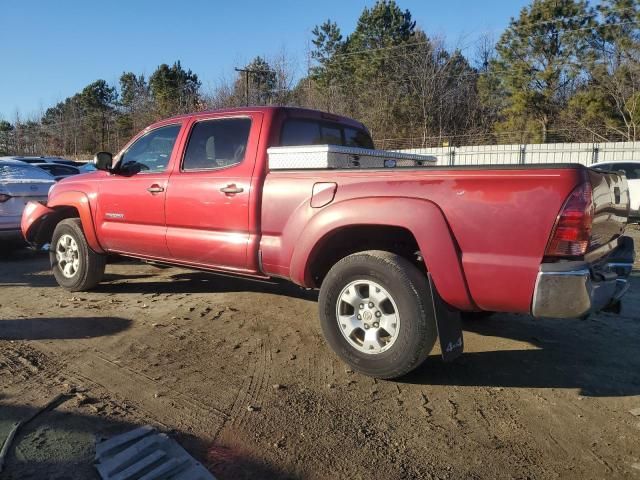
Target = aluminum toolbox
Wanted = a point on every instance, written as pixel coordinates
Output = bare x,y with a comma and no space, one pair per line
338,157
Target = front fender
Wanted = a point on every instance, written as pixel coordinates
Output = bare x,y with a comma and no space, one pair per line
38,221
34,216
422,218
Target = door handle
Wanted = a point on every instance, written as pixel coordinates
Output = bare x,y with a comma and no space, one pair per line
231,189
153,189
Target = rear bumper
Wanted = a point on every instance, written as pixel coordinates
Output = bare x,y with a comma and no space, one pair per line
10,228
575,289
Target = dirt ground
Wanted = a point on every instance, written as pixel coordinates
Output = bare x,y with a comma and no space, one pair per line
238,373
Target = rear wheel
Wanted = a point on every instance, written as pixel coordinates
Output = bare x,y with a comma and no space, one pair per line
75,266
376,313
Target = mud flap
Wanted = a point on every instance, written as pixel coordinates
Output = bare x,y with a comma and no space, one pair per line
449,325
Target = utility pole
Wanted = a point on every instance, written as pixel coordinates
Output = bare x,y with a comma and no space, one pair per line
247,72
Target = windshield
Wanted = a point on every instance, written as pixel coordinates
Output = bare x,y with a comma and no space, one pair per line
22,172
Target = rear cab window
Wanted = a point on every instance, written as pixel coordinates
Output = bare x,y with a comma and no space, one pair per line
298,131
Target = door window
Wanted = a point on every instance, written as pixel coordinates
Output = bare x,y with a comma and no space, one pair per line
151,152
217,144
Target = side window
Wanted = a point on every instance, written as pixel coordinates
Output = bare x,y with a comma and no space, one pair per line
631,170
217,143
151,152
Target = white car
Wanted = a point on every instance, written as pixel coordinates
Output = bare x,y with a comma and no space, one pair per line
19,183
631,170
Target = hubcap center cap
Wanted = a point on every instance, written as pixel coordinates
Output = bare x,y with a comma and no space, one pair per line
367,315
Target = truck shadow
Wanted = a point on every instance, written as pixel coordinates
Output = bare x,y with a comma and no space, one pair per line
60,444
44,328
598,356
205,282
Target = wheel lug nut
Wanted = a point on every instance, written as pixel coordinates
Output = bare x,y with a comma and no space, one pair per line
361,306
366,326
376,325
359,317
378,314
370,304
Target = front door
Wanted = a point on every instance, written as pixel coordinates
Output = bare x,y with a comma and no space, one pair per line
208,199
130,215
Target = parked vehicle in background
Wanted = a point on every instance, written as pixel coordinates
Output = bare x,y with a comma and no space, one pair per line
87,167
61,161
19,183
397,247
58,170
632,172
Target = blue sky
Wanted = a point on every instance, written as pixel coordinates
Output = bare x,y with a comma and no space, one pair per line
52,49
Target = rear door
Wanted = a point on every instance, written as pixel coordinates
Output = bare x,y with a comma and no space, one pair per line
209,195
131,217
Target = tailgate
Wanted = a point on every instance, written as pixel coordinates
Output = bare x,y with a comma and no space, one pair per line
611,206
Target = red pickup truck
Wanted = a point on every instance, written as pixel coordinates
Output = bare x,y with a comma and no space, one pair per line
396,252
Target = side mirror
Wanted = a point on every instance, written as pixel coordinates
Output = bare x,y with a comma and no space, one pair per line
103,160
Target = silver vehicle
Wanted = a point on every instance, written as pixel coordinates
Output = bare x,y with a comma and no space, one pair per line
58,170
19,183
32,160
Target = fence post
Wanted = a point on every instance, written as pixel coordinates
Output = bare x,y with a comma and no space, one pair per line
523,149
595,153
452,156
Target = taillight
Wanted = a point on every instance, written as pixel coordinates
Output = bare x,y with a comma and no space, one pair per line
4,197
572,231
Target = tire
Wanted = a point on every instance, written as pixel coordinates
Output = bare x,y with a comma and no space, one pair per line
82,268
409,295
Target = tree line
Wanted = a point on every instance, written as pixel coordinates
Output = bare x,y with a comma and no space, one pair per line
562,71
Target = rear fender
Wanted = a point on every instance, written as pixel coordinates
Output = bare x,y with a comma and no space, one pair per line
39,221
422,218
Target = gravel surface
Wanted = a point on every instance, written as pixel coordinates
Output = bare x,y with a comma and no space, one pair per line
237,371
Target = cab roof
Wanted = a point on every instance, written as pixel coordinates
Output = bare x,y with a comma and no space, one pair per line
286,111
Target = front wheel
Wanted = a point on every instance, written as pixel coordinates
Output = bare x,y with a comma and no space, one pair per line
376,313
75,266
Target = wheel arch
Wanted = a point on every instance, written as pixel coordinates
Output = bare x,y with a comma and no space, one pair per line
417,222
68,204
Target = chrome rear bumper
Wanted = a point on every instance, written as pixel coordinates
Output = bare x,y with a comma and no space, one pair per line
575,289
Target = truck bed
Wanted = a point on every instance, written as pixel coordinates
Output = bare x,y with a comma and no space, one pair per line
500,217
